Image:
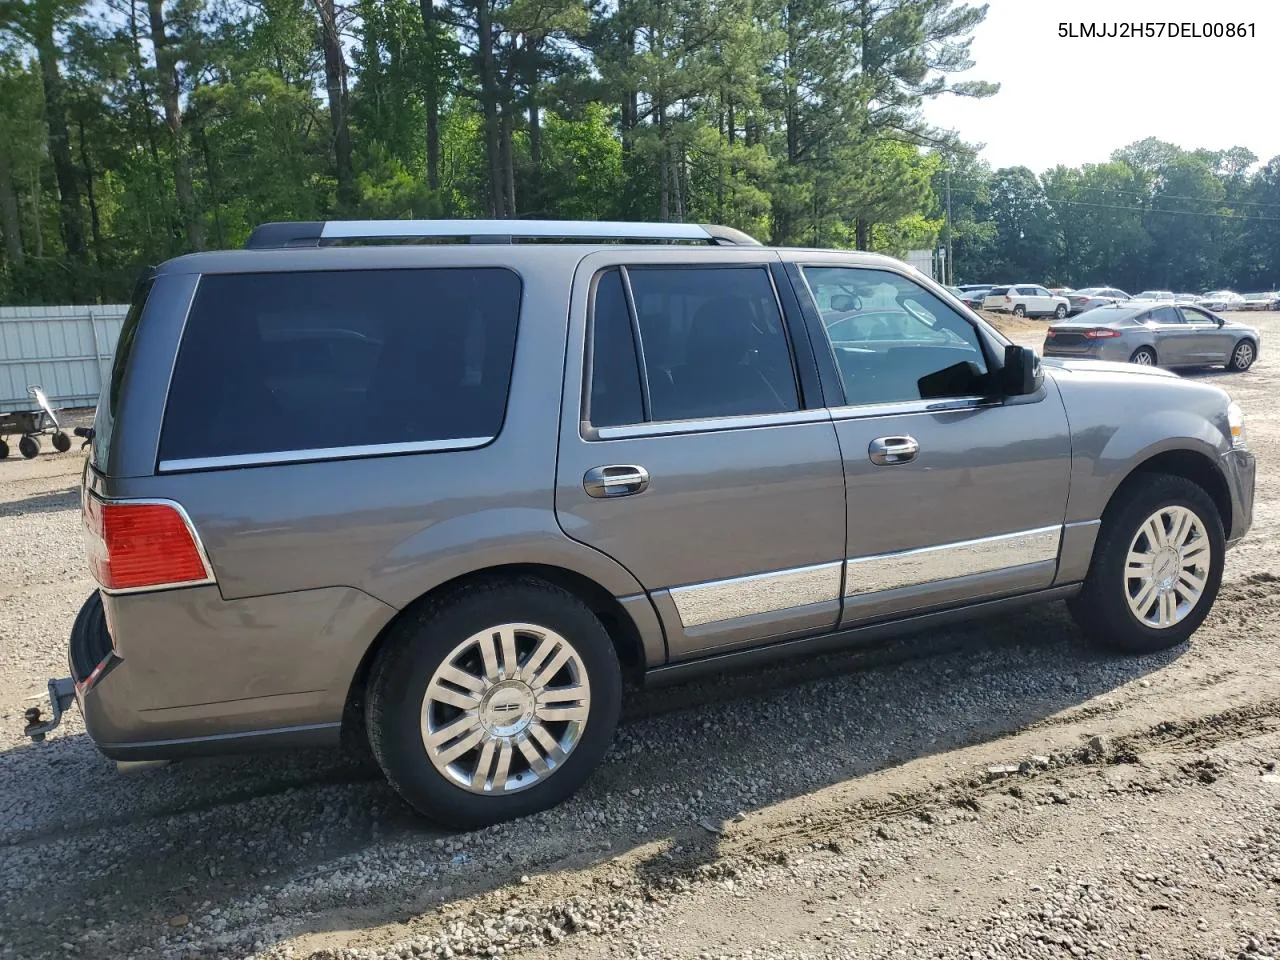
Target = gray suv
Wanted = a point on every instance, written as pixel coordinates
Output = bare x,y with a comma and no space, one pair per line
437,487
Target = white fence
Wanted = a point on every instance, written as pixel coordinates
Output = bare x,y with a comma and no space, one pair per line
65,350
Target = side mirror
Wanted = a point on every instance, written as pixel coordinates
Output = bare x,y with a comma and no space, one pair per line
1021,374
1220,321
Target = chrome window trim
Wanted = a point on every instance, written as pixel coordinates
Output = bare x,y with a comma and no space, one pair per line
272,458
208,580
909,568
716,601
661,428
851,411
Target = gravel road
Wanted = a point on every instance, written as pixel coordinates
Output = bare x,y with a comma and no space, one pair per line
998,790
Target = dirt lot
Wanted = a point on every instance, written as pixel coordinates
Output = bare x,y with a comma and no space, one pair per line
1001,790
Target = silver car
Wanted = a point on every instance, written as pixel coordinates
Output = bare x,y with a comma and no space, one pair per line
436,500
1164,334
1090,298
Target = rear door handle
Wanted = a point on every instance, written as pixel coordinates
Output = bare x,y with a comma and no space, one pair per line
886,451
621,480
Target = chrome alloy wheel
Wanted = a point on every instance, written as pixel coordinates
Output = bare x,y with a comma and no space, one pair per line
1144,359
1167,567
505,708
1244,354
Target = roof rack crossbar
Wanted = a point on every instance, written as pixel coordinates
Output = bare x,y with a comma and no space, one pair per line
316,233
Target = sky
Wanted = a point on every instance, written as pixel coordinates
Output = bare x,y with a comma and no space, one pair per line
1075,100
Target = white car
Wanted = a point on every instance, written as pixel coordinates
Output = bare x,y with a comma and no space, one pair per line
1025,300
1166,295
1221,300
1090,297
1260,301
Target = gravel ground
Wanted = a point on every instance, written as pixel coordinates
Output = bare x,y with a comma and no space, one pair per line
998,790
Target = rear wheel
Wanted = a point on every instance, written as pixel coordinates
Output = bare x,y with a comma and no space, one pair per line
29,447
1061,312
494,703
4,449
1144,357
61,442
1242,356
1019,310
1156,567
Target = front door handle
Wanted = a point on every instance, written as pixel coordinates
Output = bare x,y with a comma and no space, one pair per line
886,451
621,480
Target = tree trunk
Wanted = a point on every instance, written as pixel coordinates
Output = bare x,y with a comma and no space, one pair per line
35,210
335,83
95,224
862,234
10,220
71,217
508,162
432,97
167,72
489,106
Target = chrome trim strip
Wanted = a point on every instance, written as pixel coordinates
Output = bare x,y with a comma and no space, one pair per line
855,412
909,568
713,424
325,453
1083,523
208,579
748,596
354,229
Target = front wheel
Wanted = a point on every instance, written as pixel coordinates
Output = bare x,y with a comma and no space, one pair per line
29,447
1143,357
1061,312
1242,356
494,703
61,442
1156,567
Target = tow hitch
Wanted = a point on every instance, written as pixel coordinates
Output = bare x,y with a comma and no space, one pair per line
61,692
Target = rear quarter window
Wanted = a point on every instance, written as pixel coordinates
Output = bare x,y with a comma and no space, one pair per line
312,365
104,418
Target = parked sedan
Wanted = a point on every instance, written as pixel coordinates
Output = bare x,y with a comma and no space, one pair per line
1220,300
1092,297
1156,335
1260,301
1161,295
972,296
1025,300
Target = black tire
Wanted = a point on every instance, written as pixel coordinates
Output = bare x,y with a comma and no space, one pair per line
61,442
416,647
1060,313
1143,352
1102,608
1242,356
29,447
1019,310
4,449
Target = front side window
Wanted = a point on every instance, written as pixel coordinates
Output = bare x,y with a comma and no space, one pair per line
1192,315
893,340
281,363
712,340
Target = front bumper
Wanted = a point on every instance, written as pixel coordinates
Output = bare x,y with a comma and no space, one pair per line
1239,467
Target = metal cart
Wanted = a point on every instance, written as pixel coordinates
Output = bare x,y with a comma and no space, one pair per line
30,425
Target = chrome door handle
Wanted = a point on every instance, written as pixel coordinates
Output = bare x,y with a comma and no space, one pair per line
621,480
886,451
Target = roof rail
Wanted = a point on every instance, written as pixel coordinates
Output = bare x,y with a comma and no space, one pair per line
317,233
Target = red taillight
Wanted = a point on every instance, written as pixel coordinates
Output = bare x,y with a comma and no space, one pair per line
1101,333
1050,333
141,545
1008,299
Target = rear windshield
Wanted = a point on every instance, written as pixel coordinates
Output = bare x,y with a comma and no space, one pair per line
309,365
104,418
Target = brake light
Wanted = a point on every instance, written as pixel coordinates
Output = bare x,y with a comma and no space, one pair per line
135,545
1008,299
1101,333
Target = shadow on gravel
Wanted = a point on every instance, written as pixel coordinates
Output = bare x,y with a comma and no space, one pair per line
688,759
47,502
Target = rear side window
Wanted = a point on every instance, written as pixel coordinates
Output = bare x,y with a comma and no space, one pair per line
109,399
712,341
306,365
997,291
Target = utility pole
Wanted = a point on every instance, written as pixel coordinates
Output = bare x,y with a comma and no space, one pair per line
947,269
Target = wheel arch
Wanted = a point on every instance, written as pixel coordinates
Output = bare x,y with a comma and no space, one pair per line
632,642
1193,465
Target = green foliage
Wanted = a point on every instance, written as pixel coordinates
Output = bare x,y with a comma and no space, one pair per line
797,121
